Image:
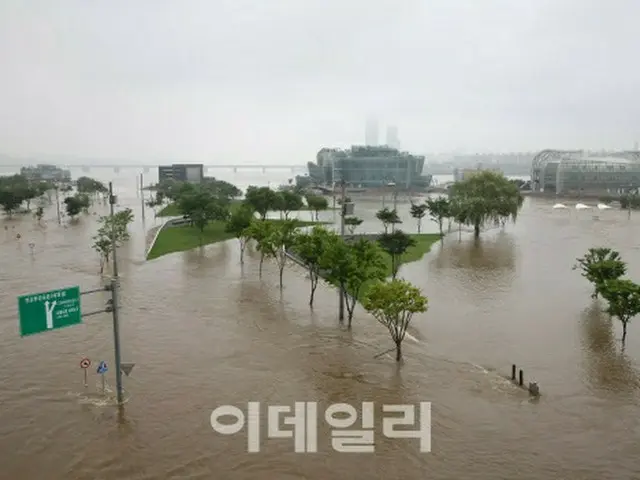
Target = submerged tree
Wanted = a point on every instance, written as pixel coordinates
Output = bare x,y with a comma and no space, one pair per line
393,304
366,265
418,211
599,265
76,204
439,209
262,199
280,241
310,249
261,232
624,301
238,224
110,227
487,197
388,218
352,223
315,204
395,244
288,201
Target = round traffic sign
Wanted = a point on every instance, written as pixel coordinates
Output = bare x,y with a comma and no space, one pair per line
85,363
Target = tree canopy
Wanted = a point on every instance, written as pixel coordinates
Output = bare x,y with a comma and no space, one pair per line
393,304
599,265
485,197
624,301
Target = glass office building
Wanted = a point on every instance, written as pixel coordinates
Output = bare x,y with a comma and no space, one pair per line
578,172
367,167
192,173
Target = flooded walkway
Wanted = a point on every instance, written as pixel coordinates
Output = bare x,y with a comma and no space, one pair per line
205,331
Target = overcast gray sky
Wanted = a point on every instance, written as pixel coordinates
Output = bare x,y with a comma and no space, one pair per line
274,80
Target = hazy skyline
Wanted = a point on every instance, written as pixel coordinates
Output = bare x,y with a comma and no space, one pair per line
273,81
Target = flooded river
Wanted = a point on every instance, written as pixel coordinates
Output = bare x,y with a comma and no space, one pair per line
205,331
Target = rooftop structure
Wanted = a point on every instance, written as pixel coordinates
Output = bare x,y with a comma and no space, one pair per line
192,173
566,172
368,167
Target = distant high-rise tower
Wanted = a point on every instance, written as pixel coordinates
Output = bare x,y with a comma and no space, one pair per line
635,146
371,133
392,137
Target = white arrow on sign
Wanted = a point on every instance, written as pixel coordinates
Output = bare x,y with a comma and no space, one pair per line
49,313
126,368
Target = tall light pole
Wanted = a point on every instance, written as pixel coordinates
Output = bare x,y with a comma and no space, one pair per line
343,209
114,298
57,188
629,189
395,202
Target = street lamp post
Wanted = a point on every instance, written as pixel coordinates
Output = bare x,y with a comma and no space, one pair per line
343,209
394,194
631,189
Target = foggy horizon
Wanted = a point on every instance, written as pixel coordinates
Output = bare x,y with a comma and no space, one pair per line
271,83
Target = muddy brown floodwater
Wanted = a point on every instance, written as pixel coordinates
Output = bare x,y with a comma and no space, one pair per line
204,332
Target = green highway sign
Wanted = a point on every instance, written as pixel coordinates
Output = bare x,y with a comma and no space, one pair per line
41,312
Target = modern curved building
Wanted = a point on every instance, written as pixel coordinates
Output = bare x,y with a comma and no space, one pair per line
368,167
579,172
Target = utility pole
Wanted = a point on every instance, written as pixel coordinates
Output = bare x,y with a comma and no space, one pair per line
114,299
343,209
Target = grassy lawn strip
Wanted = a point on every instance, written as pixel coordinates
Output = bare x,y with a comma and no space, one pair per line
171,210
179,239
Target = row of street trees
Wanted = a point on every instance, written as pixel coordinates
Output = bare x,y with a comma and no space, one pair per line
356,265
604,269
265,200
16,190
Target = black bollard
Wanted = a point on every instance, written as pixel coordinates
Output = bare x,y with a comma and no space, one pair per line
520,378
513,372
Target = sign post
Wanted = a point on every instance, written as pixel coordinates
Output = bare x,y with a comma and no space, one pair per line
41,312
101,370
85,363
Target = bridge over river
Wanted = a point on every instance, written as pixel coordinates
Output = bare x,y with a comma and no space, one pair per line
117,167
